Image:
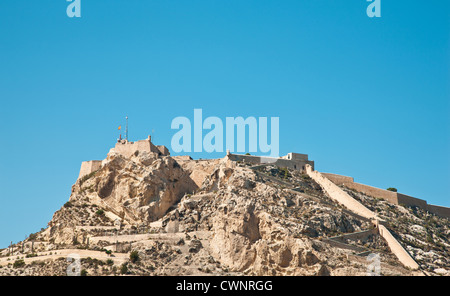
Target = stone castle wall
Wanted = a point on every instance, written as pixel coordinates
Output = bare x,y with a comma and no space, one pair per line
402,255
337,194
390,196
88,167
438,210
296,164
126,149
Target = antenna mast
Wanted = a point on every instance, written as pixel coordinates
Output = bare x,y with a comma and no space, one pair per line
126,133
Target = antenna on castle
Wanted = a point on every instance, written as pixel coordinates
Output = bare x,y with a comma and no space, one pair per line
126,132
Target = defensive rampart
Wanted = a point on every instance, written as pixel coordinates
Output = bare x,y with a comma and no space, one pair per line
126,149
339,195
392,197
336,193
397,249
297,162
88,167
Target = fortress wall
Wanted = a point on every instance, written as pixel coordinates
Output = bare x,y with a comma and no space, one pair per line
247,158
361,235
438,210
163,149
280,162
293,164
390,196
88,167
397,249
127,149
338,179
411,201
366,189
296,156
339,195
342,245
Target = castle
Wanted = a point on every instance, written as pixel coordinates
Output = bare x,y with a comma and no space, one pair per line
126,149
292,160
330,183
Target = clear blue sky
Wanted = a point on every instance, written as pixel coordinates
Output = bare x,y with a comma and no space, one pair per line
368,98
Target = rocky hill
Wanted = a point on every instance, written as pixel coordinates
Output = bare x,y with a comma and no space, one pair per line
161,215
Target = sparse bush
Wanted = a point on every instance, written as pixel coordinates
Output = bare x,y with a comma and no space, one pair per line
392,189
134,256
83,272
109,262
19,263
124,269
100,212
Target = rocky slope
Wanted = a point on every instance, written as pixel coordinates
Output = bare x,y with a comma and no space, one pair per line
162,215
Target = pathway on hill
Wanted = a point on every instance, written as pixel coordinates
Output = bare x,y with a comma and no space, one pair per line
117,258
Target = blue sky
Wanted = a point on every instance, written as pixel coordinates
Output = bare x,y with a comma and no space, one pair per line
364,97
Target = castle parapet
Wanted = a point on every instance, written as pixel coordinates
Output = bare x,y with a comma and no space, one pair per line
127,149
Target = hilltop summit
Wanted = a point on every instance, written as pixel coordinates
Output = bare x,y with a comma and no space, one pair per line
143,212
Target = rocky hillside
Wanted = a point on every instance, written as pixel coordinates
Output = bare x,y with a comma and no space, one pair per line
162,215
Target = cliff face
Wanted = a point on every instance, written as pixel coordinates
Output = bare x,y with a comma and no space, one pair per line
191,217
139,189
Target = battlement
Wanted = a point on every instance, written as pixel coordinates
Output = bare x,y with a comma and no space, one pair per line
127,149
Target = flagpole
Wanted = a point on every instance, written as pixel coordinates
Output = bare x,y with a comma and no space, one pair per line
126,134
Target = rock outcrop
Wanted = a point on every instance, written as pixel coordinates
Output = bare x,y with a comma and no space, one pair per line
163,215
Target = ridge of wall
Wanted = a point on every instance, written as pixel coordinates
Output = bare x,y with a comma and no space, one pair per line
339,195
342,197
295,163
392,197
402,255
